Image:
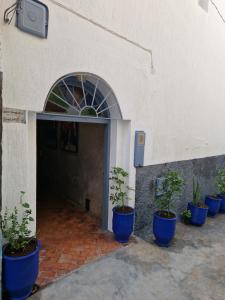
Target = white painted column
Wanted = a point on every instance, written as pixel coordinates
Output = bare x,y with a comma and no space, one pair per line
19,163
31,164
121,155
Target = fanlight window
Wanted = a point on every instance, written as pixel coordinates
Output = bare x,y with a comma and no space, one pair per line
83,95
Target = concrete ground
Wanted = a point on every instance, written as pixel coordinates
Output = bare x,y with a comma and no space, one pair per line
193,268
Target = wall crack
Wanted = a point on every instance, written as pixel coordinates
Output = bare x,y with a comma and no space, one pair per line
218,11
112,32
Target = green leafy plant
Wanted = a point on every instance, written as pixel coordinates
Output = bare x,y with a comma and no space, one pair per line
171,187
220,181
196,192
186,216
15,226
119,189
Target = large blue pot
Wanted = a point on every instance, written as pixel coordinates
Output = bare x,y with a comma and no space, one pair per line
213,204
20,274
198,214
123,224
222,204
163,229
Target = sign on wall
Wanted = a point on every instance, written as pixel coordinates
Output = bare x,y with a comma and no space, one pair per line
139,148
11,115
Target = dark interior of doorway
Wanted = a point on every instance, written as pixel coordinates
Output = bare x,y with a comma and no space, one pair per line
70,187
70,165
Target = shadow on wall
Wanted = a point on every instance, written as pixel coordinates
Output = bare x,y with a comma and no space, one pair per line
204,169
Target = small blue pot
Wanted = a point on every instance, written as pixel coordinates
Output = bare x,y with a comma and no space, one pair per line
20,274
198,214
214,205
123,224
163,229
222,204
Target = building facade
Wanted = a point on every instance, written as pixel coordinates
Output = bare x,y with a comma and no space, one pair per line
162,63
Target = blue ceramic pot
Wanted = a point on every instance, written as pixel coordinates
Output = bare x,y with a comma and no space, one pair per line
214,205
163,229
20,274
198,214
222,204
123,224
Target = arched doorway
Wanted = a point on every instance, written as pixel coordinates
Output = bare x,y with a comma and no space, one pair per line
73,142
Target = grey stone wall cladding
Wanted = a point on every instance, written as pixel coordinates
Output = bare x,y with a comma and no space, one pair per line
203,169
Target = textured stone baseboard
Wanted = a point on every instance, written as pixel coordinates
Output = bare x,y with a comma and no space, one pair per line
204,169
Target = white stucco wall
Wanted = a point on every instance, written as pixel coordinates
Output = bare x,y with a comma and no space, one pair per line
173,106
180,104
19,163
0,48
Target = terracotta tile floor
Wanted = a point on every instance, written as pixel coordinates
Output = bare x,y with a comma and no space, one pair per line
69,239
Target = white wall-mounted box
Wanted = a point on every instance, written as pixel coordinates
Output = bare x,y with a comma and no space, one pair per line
204,4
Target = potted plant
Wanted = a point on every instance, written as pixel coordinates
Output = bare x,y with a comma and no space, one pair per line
213,202
186,216
164,220
220,182
198,209
123,215
20,253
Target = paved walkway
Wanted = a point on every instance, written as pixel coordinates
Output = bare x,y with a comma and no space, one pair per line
69,239
192,269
